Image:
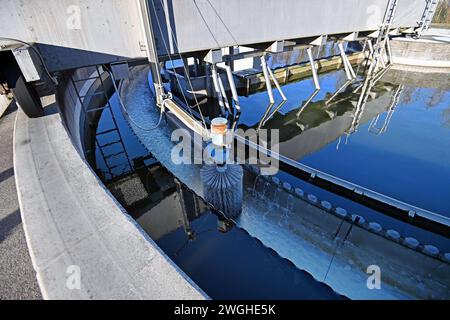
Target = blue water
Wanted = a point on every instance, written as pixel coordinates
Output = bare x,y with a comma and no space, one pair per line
226,265
234,265
411,158
410,161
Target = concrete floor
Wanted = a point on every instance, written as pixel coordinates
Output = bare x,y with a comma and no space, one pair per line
17,277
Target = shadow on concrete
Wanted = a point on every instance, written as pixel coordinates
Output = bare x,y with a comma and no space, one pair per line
8,223
50,109
11,108
6,174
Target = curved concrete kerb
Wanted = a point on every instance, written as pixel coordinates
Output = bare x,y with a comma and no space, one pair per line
83,246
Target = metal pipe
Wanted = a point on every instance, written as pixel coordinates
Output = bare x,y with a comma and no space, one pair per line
345,85
217,89
224,94
234,93
269,107
152,53
277,84
380,55
267,78
351,68
347,65
313,68
264,121
307,102
344,60
389,50
369,42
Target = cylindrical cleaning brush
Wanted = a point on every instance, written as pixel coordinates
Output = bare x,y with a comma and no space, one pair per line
222,181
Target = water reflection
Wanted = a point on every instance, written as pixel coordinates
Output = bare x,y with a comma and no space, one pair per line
223,259
196,238
394,139
314,124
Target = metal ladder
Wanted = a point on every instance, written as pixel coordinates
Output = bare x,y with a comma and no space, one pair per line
387,20
427,16
110,159
383,34
375,57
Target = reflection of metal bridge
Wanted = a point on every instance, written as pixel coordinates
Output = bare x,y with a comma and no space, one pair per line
373,127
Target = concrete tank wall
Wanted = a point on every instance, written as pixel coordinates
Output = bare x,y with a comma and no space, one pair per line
422,52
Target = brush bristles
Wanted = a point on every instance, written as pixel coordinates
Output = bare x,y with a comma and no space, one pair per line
222,187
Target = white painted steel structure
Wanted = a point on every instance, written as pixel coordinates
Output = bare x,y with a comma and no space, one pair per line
75,33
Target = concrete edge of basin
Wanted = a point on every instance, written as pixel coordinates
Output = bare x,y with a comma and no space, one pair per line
82,243
4,104
430,54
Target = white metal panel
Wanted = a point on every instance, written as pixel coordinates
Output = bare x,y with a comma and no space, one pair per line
71,33
95,27
204,24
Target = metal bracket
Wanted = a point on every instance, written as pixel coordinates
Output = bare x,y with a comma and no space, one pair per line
276,47
120,70
313,68
214,56
347,65
28,63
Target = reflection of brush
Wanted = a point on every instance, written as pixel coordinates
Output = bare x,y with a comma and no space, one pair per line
222,181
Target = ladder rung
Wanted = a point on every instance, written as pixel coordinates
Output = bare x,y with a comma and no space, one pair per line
93,94
117,166
124,165
85,79
96,109
109,144
106,131
114,154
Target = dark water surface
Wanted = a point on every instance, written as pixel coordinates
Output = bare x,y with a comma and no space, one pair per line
405,154
224,260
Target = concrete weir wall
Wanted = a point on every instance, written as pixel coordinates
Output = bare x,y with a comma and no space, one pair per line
431,51
409,269
82,243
